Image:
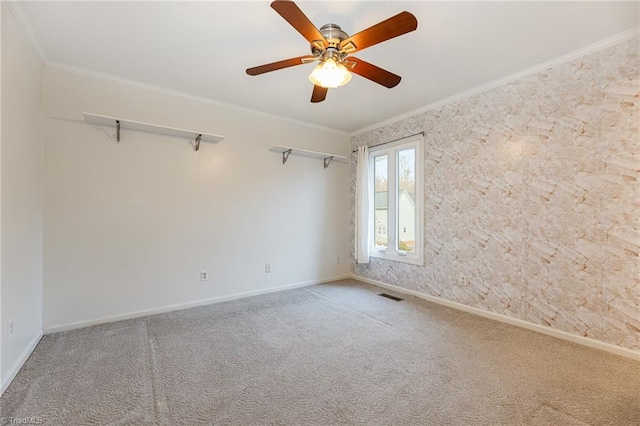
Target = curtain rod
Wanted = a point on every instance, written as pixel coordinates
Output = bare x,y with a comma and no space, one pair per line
395,140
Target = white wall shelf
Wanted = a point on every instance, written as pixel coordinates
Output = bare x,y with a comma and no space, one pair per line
326,157
123,123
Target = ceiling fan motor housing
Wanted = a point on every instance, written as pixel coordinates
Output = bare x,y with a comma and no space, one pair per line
333,34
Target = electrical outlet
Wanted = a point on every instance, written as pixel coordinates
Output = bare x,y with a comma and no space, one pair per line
337,259
463,280
10,327
204,276
267,268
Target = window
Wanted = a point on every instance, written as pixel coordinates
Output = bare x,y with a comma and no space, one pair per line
396,184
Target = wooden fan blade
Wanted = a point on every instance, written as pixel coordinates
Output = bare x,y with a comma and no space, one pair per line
395,26
278,65
298,20
319,94
374,73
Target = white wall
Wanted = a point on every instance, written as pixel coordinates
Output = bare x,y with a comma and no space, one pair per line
1,332
129,226
21,191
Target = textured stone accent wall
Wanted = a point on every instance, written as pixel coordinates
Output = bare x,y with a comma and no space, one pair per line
532,190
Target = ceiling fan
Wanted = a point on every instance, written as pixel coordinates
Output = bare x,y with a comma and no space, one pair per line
332,47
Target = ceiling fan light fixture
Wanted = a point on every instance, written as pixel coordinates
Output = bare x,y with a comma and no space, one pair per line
331,46
330,74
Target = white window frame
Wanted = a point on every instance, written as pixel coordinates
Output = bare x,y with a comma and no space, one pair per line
391,252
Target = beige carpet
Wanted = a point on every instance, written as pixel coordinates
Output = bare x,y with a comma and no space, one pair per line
324,355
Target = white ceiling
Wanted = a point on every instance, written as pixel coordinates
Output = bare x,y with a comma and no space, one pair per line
203,48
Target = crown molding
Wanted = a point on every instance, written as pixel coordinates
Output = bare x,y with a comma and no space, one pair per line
568,57
23,22
16,10
176,93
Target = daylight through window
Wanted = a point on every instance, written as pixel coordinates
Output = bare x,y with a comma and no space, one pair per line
397,181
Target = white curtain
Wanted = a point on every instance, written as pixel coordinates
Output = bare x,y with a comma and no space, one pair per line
363,213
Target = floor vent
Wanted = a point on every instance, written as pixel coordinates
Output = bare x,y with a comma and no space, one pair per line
388,296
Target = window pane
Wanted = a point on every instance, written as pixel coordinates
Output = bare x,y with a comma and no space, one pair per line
380,214
406,200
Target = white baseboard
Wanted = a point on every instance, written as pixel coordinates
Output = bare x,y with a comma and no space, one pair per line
607,347
169,308
15,368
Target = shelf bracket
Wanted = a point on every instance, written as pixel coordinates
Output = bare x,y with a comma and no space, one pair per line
107,132
285,156
198,139
117,130
327,161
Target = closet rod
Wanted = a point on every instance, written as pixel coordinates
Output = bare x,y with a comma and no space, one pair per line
395,140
